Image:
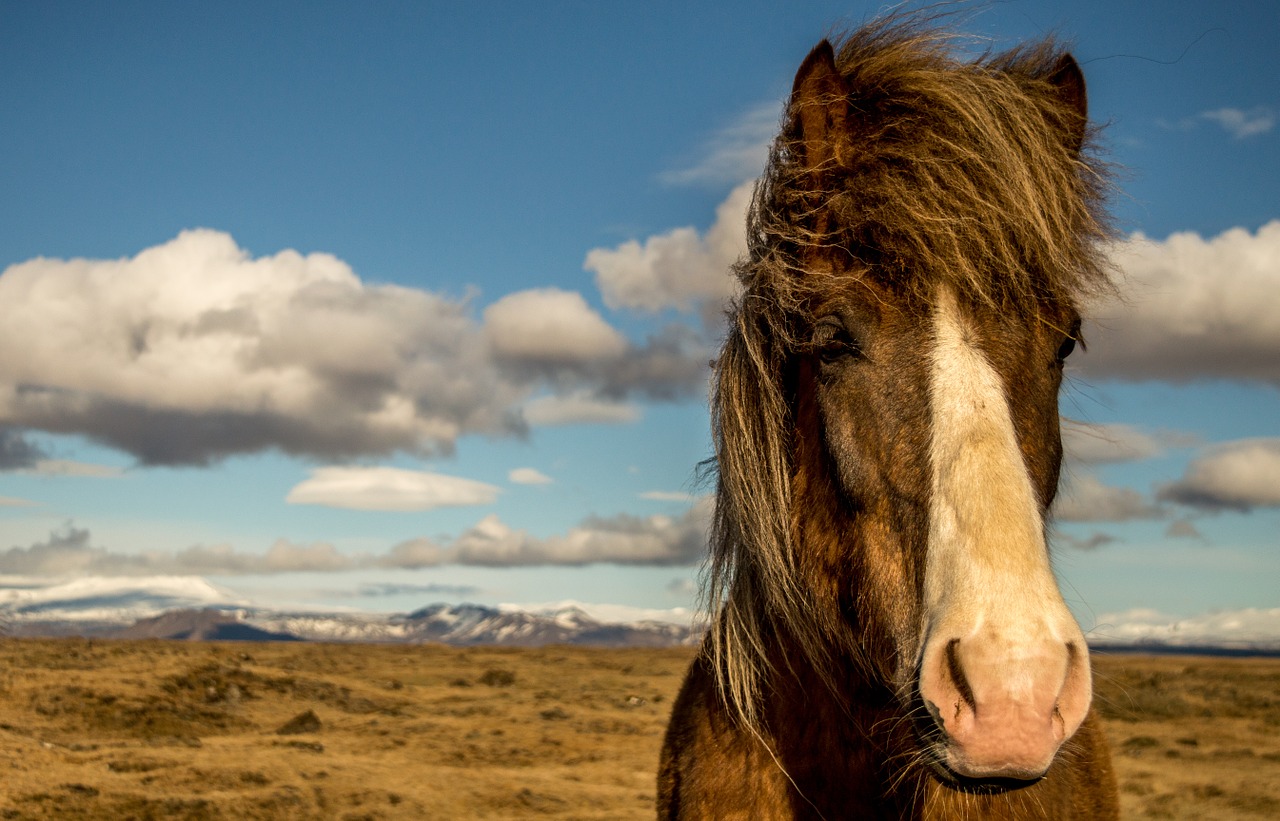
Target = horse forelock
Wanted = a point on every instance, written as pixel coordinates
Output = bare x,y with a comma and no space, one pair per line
953,170
956,172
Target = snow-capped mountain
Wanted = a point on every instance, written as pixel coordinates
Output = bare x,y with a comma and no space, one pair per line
469,624
191,608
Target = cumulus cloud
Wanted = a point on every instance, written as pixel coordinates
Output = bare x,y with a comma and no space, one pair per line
734,153
1196,309
555,338
67,551
679,269
1084,498
1240,475
1240,123
620,539
194,350
529,476
387,488
549,328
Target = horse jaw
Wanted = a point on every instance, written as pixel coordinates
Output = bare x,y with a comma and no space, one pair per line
1004,669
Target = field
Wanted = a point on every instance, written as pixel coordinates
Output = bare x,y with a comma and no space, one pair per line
172,730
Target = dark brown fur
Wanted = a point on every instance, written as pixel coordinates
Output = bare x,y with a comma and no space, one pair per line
898,168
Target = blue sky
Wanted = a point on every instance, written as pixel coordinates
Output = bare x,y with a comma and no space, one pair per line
272,269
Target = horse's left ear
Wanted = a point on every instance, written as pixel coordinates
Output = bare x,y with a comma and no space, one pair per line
1068,80
819,108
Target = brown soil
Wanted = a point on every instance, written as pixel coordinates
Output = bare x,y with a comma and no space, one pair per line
150,729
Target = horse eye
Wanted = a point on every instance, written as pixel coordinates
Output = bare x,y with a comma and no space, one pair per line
1069,344
832,341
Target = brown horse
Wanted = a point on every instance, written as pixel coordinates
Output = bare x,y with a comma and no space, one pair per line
889,639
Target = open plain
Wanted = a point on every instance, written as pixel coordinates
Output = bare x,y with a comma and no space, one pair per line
187,730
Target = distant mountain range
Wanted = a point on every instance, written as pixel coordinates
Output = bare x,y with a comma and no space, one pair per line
190,608
463,624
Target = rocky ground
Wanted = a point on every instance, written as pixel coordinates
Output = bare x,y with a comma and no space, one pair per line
188,730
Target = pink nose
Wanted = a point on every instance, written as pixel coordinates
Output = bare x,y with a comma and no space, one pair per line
1004,712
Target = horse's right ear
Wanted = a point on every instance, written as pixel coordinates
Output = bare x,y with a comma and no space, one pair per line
819,107
1068,82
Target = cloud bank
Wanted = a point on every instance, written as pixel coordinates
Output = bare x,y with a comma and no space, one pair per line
619,539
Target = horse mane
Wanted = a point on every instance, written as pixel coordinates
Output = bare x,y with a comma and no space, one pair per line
972,173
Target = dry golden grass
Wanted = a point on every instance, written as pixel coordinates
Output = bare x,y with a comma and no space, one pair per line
1193,737
118,730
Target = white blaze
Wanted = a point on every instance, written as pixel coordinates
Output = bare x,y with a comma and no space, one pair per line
987,569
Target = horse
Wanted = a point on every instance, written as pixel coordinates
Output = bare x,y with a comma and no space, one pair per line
888,639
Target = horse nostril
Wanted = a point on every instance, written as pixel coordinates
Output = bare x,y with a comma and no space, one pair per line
956,671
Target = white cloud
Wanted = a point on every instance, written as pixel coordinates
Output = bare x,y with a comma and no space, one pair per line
529,476
551,327
193,350
622,539
678,269
1084,498
387,488
735,153
1240,123
1197,309
112,597
1257,628
1239,475
578,408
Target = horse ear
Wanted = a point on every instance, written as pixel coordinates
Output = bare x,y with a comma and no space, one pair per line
1068,80
819,106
